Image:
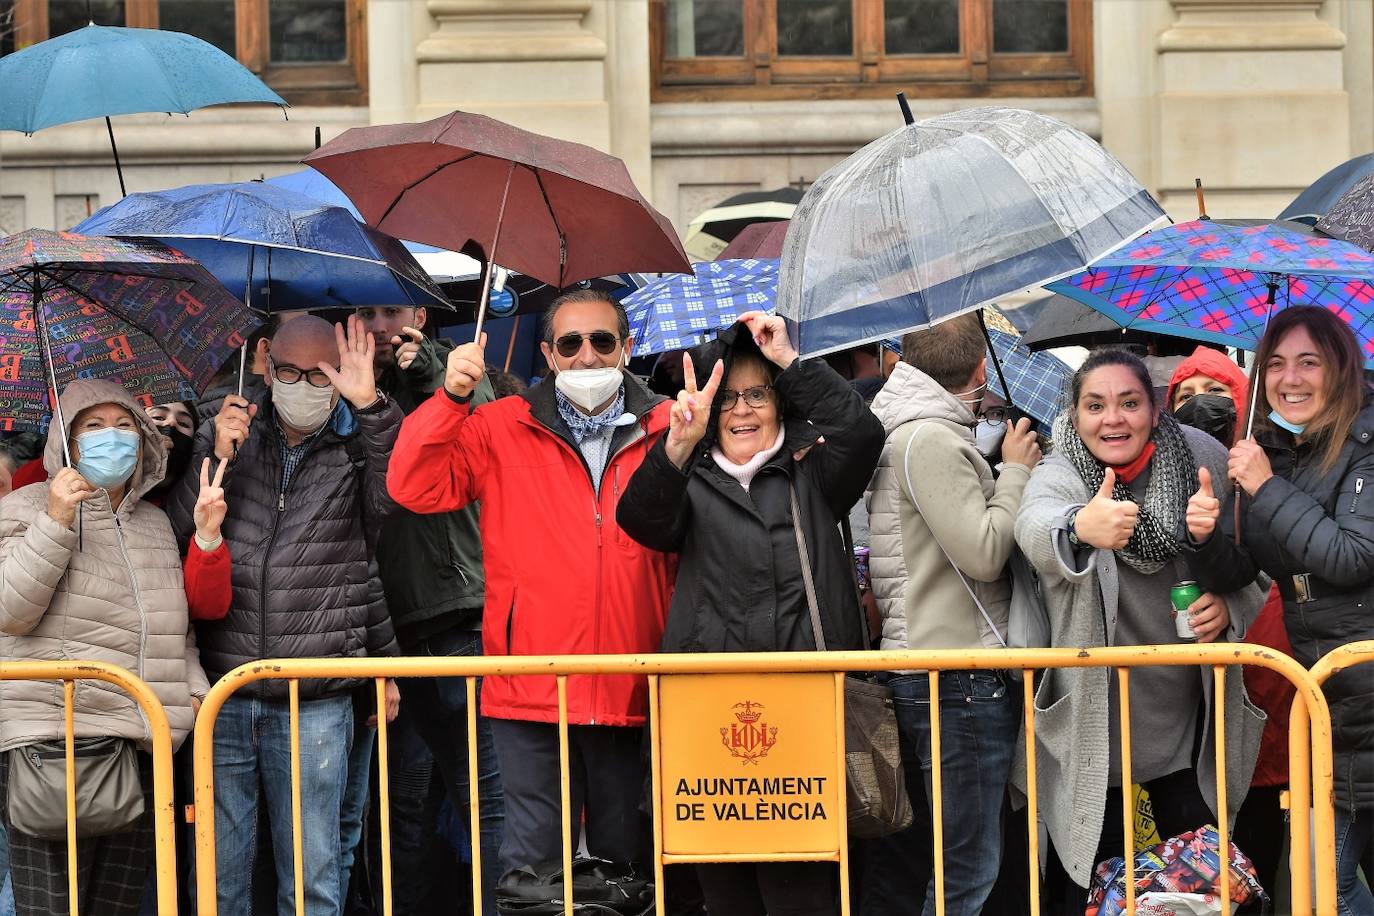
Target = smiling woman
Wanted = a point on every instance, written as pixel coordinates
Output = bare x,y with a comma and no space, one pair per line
1102,520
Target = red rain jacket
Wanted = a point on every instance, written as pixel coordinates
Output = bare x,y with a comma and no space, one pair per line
562,577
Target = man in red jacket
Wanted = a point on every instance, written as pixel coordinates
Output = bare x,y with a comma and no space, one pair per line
561,577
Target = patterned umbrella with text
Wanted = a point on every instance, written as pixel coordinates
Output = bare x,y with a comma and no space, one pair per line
132,311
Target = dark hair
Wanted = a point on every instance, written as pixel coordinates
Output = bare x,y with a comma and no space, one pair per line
19,448
586,295
1110,356
947,352
504,383
1345,386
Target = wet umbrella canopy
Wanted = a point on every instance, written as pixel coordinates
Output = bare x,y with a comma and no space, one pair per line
941,216
132,311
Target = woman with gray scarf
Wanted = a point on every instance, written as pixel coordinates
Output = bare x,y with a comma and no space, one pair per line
1102,520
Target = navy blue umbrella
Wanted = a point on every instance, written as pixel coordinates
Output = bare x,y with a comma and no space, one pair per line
280,250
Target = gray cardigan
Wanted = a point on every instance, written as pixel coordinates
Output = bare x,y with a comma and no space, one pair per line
1072,719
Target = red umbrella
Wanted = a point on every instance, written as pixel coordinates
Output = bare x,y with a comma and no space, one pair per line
574,211
757,240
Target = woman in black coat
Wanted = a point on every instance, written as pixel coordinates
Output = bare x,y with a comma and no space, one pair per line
1308,524
718,491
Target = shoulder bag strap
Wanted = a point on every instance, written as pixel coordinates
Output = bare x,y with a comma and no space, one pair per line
806,568
906,472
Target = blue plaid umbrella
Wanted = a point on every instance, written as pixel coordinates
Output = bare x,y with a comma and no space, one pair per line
1037,379
680,311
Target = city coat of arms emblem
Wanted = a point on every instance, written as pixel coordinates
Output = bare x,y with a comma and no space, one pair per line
749,737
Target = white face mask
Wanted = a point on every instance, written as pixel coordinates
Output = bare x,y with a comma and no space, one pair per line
988,437
590,388
302,405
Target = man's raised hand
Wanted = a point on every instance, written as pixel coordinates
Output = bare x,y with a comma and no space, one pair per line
466,366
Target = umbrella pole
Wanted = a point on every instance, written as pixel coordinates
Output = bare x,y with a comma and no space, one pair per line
248,301
996,363
119,170
42,328
1273,285
510,348
491,258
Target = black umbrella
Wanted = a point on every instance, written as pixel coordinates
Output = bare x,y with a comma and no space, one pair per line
1351,218
710,232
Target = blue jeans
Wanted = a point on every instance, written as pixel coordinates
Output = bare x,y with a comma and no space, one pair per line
253,756
980,712
1353,833
355,798
439,707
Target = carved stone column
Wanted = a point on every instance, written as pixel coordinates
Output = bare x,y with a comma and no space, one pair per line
1251,100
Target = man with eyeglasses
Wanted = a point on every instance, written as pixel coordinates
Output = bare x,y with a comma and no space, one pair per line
306,487
562,578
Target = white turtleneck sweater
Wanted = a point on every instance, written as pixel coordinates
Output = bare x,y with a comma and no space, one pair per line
744,473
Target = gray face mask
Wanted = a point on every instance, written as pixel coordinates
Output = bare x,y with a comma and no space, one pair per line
988,437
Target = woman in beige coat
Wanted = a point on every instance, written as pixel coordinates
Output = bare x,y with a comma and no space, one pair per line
90,571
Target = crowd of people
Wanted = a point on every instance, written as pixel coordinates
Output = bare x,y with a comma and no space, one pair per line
381,492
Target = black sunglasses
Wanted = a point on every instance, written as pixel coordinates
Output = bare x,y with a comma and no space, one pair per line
569,345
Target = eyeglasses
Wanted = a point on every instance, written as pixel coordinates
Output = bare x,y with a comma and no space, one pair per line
754,397
290,375
569,345
994,415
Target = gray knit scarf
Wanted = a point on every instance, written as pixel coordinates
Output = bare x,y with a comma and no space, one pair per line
1173,477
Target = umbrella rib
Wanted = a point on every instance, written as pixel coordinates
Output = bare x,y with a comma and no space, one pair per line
562,239
434,171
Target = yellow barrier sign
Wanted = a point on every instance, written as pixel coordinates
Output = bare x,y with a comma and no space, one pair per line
743,770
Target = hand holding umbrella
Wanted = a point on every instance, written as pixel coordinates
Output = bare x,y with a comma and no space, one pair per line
1249,466
407,350
67,491
691,413
231,425
466,366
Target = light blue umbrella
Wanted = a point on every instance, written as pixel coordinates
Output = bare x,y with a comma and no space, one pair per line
99,71
679,311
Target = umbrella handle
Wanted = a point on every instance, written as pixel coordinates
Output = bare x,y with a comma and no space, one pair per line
491,258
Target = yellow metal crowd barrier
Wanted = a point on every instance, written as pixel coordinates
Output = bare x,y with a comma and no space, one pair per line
69,672
1309,749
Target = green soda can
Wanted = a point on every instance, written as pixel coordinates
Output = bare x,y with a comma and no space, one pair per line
1183,594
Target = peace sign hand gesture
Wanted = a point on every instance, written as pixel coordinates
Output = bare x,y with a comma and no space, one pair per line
355,379
210,507
691,413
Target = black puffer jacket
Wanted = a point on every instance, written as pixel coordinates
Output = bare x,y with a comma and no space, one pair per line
1304,520
302,581
739,585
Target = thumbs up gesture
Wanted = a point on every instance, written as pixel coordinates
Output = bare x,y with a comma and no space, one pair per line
1203,509
1105,522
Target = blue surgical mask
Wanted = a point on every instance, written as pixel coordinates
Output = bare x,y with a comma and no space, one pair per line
1293,428
107,456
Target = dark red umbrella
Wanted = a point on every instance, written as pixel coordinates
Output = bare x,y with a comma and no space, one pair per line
757,240
554,210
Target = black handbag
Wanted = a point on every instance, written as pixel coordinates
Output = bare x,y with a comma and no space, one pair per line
109,794
875,784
